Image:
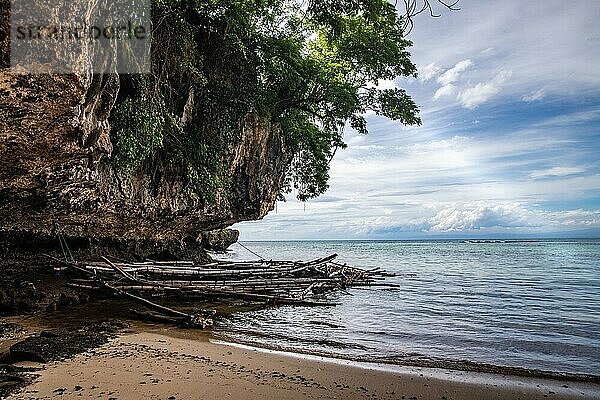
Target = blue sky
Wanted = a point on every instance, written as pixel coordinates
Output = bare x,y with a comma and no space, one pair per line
509,147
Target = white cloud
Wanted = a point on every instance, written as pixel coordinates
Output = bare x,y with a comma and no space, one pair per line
428,72
534,96
395,186
478,217
555,172
448,78
444,91
493,217
482,92
574,118
575,218
543,43
452,75
413,217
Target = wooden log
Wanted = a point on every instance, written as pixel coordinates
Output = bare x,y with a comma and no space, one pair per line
171,262
80,286
145,288
268,298
322,260
278,282
197,321
307,290
153,317
119,269
191,319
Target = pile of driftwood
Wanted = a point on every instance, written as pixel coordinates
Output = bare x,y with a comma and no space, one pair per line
274,282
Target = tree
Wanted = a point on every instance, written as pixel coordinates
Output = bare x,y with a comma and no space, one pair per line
312,66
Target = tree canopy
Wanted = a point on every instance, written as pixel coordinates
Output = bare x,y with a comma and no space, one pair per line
312,66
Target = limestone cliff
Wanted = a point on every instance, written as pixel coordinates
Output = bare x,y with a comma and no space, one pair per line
54,164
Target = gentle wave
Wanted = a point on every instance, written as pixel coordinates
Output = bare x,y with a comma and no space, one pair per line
409,360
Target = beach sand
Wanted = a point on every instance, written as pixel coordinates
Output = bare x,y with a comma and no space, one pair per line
157,366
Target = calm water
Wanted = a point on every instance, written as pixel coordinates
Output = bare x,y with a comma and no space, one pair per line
530,305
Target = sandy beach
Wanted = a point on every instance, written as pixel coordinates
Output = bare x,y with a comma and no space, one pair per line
156,366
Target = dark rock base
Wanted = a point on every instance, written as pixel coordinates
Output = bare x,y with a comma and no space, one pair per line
219,240
26,288
19,245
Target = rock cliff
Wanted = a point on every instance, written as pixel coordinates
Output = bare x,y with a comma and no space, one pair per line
54,164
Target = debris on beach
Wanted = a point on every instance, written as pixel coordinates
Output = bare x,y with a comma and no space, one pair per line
303,283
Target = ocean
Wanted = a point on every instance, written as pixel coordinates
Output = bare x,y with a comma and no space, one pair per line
531,305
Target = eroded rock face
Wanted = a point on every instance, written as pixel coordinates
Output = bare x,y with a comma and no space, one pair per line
55,150
54,164
4,33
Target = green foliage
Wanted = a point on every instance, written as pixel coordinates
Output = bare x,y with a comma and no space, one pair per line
321,69
138,126
312,66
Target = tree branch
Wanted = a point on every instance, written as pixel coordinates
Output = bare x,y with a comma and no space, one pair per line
413,9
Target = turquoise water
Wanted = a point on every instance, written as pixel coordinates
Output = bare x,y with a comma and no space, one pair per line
533,305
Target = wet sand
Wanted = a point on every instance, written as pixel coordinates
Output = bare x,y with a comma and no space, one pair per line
155,366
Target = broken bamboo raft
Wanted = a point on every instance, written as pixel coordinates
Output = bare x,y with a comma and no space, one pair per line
304,283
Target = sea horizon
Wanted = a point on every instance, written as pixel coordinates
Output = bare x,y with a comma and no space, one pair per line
432,239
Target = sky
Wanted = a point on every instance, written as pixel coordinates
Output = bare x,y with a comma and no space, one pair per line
509,93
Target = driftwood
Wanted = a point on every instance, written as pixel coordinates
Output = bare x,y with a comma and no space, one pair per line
302,283
188,320
198,321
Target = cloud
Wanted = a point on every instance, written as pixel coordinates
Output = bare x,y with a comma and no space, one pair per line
444,91
327,199
428,72
478,217
482,92
448,78
574,118
534,96
536,46
556,171
504,216
452,75
576,218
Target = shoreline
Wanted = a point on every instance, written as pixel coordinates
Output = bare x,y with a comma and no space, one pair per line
449,365
177,365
